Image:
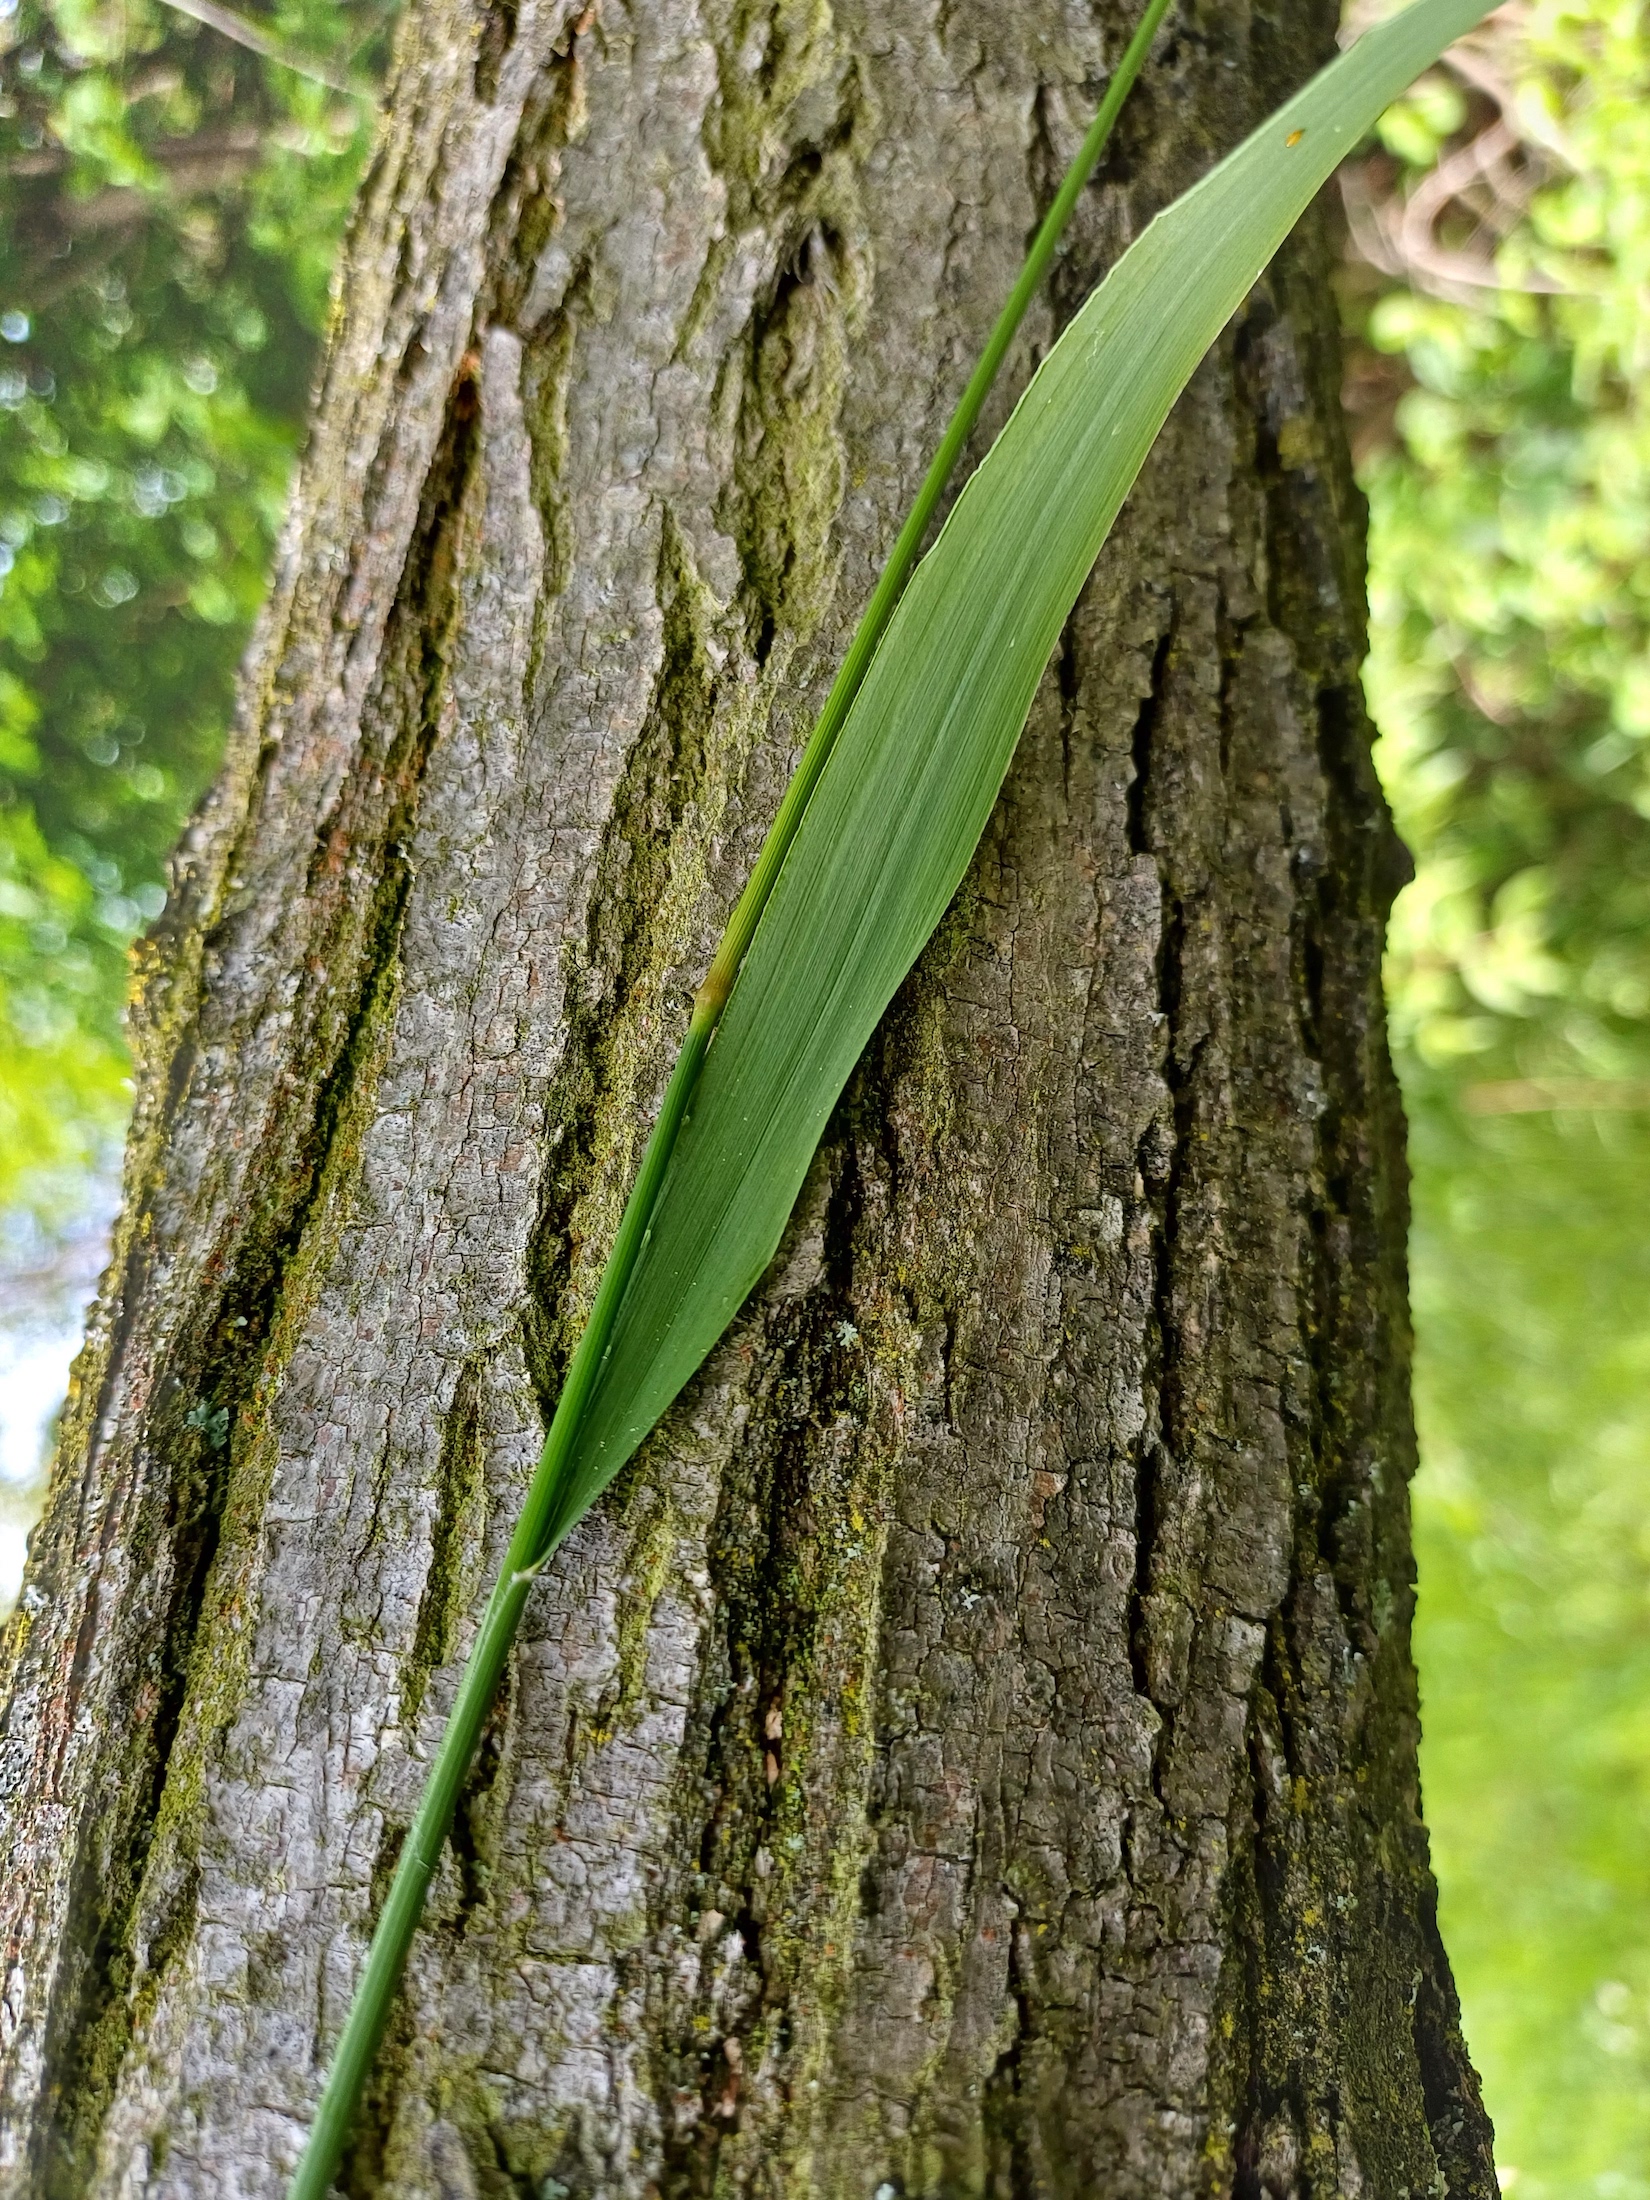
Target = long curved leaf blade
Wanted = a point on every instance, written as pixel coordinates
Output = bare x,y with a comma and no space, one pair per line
906,795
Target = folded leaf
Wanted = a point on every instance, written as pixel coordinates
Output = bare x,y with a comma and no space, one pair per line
910,785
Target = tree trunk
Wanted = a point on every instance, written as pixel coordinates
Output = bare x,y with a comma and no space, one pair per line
972,1750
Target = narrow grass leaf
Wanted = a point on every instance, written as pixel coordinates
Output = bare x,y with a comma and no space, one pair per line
901,805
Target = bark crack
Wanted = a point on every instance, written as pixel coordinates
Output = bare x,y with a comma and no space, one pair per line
211,1403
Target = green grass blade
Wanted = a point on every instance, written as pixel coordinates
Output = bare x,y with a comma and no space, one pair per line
905,795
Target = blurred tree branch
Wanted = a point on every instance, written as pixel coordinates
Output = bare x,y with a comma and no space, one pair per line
256,40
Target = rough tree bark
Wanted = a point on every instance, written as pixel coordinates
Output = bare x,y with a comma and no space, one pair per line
973,1749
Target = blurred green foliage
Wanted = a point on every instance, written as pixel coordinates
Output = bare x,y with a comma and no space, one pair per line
1510,576
1507,463
1531,1268
170,206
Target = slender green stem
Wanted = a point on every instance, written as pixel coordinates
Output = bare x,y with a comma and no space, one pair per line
886,595
544,1521
551,1507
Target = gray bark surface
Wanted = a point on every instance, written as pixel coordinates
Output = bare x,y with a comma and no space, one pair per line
972,1750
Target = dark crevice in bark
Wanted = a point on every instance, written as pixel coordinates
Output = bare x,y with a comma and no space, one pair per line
1329,1904
612,979
763,1634
411,365
744,1779
1229,645
1045,168
1331,1480
511,2182
1004,2109
549,349
1140,743
1343,889
460,1488
523,220
1146,1523
799,187
497,34
1348,887
473,1840
524,215
1269,2002
1239,2073
1068,681
753,114
1371,851
787,483
1154,1649
361,2175
208,1400
1462,2135
475,1828
1162,1162
87,2042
